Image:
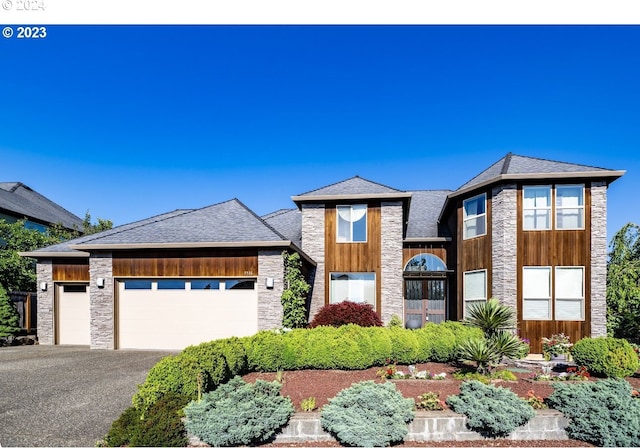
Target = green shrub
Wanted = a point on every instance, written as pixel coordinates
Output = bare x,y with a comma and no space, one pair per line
600,412
460,330
395,321
404,345
270,351
162,425
380,344
444,342
607,357
491,411
9,317
368,414
239,413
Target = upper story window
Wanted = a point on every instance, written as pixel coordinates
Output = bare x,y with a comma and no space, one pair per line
475,216
352,223
570,207
537,207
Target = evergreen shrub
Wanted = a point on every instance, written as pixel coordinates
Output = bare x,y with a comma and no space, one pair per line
239,413
443,342
491,411
404,345
270,351
343,313
9,317
368,414
606,357
600,412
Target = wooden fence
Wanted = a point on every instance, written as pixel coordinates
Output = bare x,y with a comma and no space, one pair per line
26,304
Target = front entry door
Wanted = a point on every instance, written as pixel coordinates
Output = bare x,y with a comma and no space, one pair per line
424,302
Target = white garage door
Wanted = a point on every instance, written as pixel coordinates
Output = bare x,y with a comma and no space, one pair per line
175,313
73,318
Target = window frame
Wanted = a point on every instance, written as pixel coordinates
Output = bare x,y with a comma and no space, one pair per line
549,208
581,299
351,223
580,208
466,218
549,299
466,299
339,273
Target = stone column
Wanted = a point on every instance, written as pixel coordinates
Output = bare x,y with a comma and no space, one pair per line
504,233
391,261
101,306
313,245
45,311
598,259
270,265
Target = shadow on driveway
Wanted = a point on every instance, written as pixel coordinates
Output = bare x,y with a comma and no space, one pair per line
66,395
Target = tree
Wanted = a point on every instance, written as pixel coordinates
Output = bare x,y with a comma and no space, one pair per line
9,317
294,296
623,284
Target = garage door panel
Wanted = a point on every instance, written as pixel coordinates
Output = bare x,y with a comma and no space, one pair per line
73,317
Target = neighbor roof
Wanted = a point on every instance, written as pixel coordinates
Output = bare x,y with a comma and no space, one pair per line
353,188
19,200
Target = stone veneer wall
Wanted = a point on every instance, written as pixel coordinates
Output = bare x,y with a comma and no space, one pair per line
101,301
313,245
598,259
504,230
270,265
391,261
46,329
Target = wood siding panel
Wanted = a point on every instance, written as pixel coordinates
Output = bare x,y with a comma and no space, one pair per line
555,248
71,270
353,257
219,263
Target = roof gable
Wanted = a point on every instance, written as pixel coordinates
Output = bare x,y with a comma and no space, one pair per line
356,188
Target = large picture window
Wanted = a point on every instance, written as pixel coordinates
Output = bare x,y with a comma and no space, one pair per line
475,216
353,286
537,208
352,223
536,293
569,293
475,289
570,207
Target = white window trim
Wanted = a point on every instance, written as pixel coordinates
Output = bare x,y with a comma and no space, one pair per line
366,224
582,299
551,291
464,290
549,208
466,218
580,207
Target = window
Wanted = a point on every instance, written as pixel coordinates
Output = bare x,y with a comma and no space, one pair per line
537,208
475,216
205,284
74,288
569,293
171,284
353,286
475,289
240,284
352,223
137,284
570,207
536,293
425,262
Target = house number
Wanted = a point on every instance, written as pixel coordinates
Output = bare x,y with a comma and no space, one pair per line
248,272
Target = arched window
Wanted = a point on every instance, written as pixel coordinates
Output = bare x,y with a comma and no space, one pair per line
425,262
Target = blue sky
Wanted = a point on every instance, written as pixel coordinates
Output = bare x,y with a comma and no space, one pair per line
132,121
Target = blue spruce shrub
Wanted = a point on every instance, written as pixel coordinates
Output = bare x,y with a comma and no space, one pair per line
600,412
239,413
368,414
491,411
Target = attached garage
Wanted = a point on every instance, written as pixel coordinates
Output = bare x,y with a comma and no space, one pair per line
175,313
72,314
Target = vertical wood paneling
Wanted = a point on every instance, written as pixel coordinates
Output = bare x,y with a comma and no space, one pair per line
71,269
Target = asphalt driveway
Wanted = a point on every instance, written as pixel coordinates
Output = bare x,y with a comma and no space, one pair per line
66,395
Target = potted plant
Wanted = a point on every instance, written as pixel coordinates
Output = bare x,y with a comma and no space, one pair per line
556,347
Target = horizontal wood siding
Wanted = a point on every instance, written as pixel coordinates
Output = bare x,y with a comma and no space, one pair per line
205,263
555,248
71,270
353,257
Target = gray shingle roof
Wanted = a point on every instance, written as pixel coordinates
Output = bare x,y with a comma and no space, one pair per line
288,222
521,165
21,201
424,212
354,185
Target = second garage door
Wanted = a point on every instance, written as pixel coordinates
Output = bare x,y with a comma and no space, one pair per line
72,313
176,313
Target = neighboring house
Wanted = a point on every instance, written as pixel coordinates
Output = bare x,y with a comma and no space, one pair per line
528,231
18,201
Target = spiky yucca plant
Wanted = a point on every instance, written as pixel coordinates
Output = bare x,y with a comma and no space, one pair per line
491,317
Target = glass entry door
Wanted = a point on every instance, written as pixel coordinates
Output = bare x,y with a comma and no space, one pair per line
424,301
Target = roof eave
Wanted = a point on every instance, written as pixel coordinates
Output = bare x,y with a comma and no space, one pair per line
54,254
430,239
350,197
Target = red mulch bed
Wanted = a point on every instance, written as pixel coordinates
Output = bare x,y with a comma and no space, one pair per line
325,384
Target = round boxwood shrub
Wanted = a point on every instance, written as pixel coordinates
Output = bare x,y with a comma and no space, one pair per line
443,347
606,357
404,345
239,413
491,411
343,313
368,414
270,351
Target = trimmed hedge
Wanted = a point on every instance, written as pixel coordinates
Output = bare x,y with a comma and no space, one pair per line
606,357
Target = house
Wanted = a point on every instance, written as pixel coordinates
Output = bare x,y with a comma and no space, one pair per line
18,201
528,231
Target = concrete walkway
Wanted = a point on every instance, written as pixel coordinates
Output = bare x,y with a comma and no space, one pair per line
66,395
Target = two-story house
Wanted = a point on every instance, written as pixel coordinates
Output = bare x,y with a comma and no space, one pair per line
527,231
